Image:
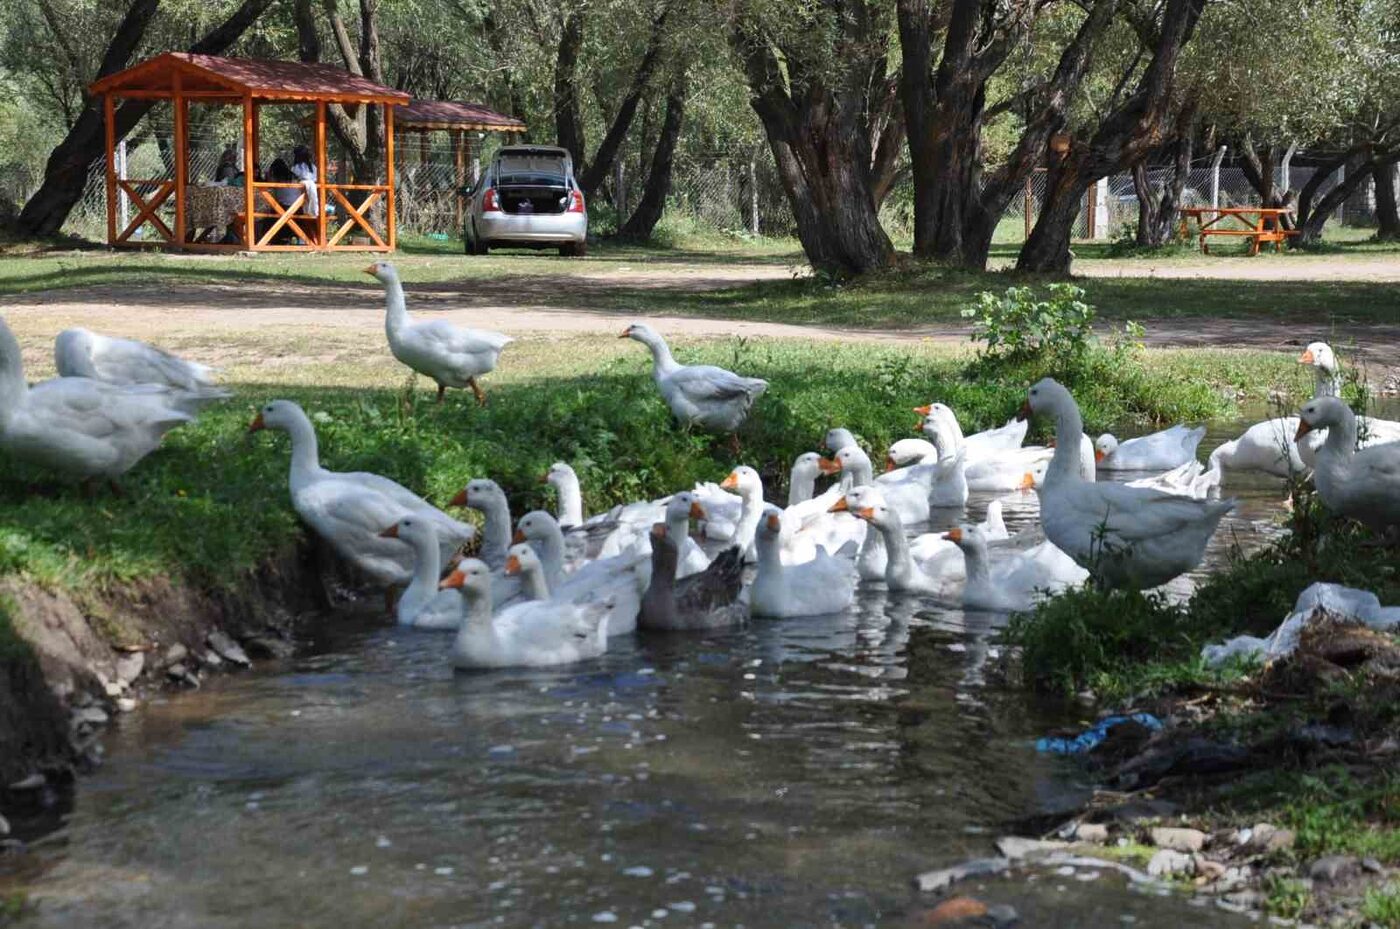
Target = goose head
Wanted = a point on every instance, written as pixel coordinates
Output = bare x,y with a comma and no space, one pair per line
1105,446
560,474
806,466
1319,355
743,481
907,452
641,332
771,525
852,459
522,559
1046,395
535,526
967,538
472,577
837,439
1320,413
661,544
384,272
857,499
479,493
279,414
684,507
414,530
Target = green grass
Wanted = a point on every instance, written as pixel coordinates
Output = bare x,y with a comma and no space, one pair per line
212,502
1332,810
1381,906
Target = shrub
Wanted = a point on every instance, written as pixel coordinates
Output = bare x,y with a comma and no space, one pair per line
1018,327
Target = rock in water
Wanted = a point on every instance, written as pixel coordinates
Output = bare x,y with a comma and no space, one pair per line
227,649
931,881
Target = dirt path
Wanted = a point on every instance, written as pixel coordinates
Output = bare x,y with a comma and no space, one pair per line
554,304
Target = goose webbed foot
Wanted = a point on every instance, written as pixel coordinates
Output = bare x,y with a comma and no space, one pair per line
480,397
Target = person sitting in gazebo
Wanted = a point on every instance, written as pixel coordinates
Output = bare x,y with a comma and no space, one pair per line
305,171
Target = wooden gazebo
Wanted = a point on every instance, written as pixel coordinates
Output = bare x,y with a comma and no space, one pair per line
183,78
462,122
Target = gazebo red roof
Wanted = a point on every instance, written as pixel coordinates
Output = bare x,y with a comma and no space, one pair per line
208,75
423,115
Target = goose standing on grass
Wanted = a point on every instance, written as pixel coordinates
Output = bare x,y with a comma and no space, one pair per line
1363,485
1160,451
1015,579
80,353
709,599
78,426
349,510
527,635
1125,536
704,396
450,355
825,584
422,605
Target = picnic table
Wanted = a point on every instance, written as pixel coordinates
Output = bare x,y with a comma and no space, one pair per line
1257,223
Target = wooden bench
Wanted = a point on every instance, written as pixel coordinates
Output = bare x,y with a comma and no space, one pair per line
1258,224
1257,237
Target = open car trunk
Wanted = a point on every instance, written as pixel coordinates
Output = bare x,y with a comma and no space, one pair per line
533,198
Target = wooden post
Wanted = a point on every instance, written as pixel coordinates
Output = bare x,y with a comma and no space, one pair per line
181,161
389,173
250,144
1028,196
460,157
321,173
109,115
753,196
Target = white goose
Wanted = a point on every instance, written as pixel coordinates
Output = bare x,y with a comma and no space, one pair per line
1329,384
1125,536
988,467
531,634
825,584
620,579
1190,480
1266,446
348,510
1007,437
1014,580
934,575
450,355
1364,484
940,468
564,479
78,426
422,605
690,557
705,396
80,353
1160,451
908,497
487,498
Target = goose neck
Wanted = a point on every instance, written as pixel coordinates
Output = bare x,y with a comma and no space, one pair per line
476,617
396,315
570,502
306,456
495,533
427,567
550,548
1328,383
1341,437
1069,429
13,387
661,361
802,486
533,583
899,564
975,562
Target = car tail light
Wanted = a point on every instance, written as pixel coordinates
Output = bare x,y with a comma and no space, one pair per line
489,203
576,201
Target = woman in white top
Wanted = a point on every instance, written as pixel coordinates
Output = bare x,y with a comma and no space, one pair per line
304,171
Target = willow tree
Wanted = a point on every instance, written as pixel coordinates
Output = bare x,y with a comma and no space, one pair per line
815,71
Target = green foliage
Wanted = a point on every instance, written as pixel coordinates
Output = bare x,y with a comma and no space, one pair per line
1018,327
1381,906
1286,897
12,647
1334,810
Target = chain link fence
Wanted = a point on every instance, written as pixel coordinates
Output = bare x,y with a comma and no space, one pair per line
735,191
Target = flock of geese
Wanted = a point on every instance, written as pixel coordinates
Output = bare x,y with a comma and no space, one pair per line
552,588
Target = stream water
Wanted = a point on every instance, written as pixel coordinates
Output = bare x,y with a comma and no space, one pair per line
798,773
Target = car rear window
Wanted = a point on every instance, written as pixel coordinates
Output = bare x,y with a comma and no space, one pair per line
530,169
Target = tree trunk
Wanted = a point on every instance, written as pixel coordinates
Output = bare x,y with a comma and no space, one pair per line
956,206
1387,214
1313,216
65,174
1157,210
360,134
642,222
817,127
568,125
887,141
602,161
1125,136
1258,163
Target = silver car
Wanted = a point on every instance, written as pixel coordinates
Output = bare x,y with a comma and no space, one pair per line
527,198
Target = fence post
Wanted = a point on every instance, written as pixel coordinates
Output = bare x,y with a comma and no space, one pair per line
1215,177
753,196
619,190
1286,166
1100,227
1342,207
122,199
1026,205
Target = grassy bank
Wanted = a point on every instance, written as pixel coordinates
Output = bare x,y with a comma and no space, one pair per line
213,502
1307,740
